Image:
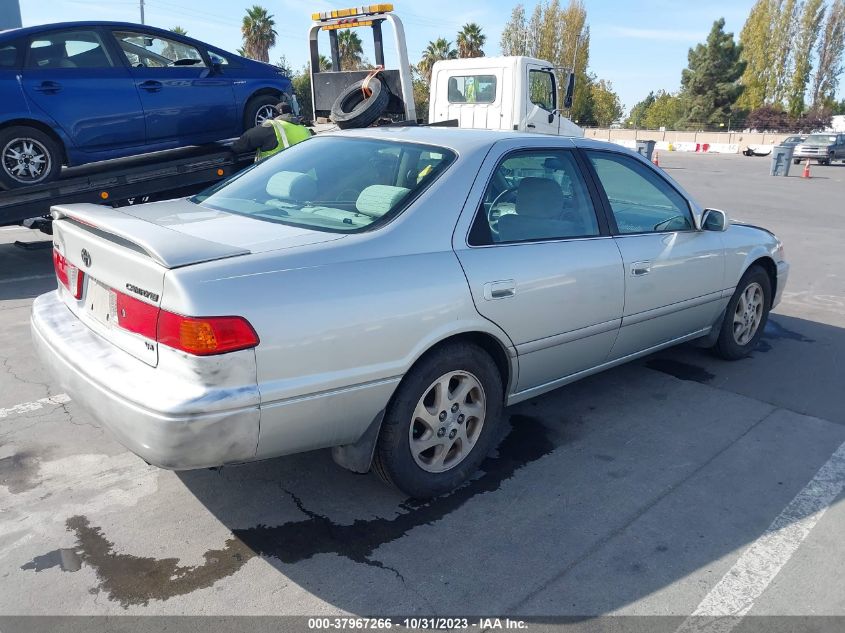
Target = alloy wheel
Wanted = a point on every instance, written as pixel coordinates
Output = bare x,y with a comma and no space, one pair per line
748,313
265,113
26,160
447,421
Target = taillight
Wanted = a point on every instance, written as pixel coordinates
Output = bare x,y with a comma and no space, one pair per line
204,336
68,274
135,316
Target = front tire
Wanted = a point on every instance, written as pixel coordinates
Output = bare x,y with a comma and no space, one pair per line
259,109
28,157
441,422
746,315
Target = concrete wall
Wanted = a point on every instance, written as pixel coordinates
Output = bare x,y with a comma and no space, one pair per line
672,137
10,14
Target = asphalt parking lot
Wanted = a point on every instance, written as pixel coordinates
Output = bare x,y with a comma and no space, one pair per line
677,485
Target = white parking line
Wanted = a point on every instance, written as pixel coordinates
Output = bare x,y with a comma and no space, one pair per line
26,407
28,278
734,595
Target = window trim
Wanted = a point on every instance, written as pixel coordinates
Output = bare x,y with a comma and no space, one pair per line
598,211
605,201
96,30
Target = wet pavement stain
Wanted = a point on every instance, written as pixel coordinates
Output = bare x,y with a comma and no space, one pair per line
19,472
134,580
775,330
678,369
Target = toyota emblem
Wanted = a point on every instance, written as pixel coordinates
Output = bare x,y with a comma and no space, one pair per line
86,258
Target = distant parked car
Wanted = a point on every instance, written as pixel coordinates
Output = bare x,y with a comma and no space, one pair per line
386,292
825,147
79,92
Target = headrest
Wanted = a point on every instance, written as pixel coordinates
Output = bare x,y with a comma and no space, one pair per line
376,200
539,198
292,185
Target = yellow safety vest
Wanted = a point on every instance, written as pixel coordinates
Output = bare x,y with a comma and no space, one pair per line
287,134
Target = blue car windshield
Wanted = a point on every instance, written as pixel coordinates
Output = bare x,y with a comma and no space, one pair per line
332,183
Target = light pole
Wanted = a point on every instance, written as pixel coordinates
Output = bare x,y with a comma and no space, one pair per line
142,12
10,14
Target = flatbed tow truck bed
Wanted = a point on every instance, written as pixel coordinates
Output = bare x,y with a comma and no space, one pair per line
126,181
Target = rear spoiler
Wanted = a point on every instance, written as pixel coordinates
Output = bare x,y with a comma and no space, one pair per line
165,246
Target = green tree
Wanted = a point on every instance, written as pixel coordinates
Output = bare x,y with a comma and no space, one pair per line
178,30
829,54
471,41
301,83
259,33
512,41
607,107
636,118
422,92
665,111
349,49
437,50
284,66
710,84
807,34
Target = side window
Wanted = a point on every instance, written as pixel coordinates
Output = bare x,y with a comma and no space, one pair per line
8,56
541,89
218,59
472,89
535,195
68,49
145,50
641,201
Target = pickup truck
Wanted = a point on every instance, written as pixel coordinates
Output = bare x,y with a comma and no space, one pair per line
822,147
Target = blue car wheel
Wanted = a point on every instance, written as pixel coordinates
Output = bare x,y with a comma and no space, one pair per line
28,157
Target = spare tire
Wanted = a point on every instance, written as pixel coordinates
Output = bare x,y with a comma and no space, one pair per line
351,109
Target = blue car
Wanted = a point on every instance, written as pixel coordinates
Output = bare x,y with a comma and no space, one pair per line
79,92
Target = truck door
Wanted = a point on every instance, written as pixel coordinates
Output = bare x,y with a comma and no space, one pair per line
540,102
473,97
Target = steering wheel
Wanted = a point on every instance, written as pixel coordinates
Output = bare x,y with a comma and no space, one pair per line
492,215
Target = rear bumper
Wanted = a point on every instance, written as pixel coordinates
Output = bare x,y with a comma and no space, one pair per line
166,416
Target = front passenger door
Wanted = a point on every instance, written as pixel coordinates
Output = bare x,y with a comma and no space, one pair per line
674,273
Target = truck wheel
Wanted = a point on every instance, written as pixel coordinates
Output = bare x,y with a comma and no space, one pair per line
260,109
441,422
745,316
351,109
29,157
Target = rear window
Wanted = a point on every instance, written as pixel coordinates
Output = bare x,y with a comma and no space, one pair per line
472,89
342,185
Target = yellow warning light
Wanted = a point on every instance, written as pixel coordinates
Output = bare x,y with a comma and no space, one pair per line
104,195
347,24
367,9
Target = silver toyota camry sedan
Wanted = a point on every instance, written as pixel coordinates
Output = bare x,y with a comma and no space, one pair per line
386,292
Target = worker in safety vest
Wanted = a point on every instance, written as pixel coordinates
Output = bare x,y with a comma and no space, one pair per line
272,136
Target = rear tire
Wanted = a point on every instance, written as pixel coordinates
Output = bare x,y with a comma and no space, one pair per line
746,315
28,157
441,422
352,110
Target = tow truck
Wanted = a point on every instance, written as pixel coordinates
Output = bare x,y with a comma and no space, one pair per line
499,93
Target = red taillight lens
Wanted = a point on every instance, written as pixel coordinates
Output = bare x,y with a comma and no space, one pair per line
68,274
136,316
204,336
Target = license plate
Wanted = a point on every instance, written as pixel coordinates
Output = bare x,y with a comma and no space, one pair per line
101,302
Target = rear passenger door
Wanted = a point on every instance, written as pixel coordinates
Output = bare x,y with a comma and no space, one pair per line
540,263
73,77
674,273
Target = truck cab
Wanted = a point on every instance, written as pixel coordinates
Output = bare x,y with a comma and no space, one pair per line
501,93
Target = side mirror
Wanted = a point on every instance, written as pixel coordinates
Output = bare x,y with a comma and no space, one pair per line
215,69
552,116
714,220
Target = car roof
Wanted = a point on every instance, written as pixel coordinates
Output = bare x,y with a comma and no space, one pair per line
13,34
464,139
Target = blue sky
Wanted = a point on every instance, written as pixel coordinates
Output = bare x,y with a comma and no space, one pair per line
638,45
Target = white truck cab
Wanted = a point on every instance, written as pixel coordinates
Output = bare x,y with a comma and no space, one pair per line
500,93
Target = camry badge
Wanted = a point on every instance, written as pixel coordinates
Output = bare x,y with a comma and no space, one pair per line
86,258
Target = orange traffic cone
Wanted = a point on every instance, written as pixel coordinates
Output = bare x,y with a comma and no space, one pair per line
656,160
806,173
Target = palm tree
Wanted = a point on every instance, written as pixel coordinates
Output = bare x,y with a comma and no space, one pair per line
258,33
325,64
349,49
439,49
471,41
178,30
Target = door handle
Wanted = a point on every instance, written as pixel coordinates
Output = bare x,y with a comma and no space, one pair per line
48,87
638,269
150,86
499,289
530,125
